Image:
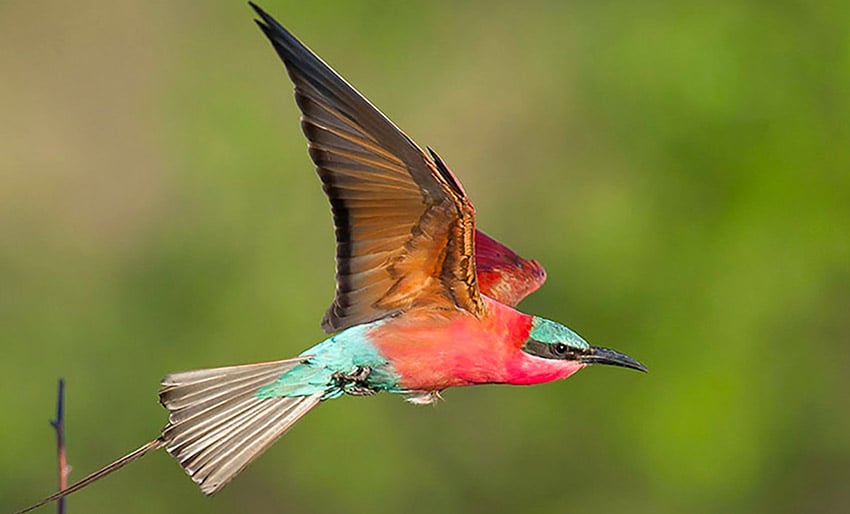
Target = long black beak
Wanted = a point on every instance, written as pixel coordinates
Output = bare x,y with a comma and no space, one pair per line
599,355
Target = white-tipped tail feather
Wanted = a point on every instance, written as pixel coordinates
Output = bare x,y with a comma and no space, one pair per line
217,425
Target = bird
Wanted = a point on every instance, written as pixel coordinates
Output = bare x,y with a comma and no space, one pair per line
424,301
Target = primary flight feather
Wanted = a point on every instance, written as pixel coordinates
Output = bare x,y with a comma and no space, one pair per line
423,300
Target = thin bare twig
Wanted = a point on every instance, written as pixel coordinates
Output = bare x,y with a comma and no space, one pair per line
59,425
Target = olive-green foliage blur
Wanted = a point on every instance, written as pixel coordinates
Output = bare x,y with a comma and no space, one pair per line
682,171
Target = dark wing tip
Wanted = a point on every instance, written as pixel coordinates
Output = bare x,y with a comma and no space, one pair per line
282,39
303,65
270,26
267,21
261,13
265,28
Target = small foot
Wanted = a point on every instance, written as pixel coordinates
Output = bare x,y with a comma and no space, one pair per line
354,383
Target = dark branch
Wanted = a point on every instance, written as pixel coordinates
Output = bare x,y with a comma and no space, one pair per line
59,425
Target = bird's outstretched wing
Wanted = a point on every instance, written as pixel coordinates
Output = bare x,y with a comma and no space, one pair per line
405,229
502,274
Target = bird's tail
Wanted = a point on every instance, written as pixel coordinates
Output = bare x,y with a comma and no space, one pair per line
216,424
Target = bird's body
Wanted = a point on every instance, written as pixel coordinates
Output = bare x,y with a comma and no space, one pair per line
424,301
431,353
427,352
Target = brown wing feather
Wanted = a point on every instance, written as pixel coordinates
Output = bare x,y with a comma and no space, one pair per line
404,227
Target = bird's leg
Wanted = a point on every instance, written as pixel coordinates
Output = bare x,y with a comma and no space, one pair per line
354,383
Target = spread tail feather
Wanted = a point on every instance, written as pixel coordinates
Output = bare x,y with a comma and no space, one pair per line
97,475
217,424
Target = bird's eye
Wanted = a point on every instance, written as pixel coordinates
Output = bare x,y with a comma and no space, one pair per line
561,348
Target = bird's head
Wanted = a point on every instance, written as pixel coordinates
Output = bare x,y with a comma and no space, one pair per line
564,352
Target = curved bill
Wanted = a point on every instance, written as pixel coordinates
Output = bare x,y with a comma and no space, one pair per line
600,355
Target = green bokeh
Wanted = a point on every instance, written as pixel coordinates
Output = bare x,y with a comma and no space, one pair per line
682,170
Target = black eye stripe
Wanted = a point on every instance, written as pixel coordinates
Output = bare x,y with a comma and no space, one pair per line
558,351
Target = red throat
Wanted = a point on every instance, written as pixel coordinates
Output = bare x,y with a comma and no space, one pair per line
432,352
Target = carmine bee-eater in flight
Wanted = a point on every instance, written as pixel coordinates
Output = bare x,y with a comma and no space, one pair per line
423,301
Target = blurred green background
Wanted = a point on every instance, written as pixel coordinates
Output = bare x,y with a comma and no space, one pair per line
682,170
